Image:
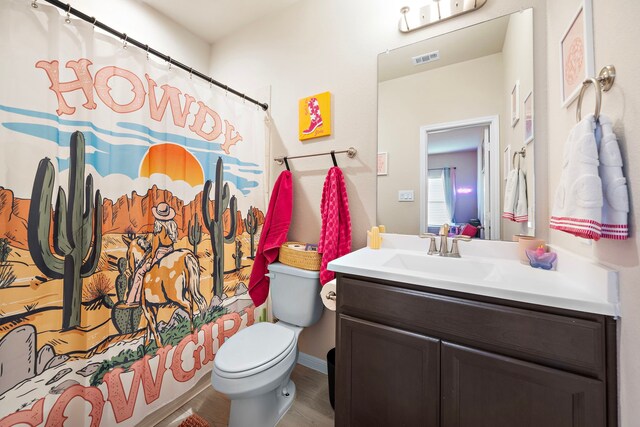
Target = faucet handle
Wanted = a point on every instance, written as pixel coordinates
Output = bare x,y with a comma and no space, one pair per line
432,244
455,253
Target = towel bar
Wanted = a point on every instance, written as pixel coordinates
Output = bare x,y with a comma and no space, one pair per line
603,82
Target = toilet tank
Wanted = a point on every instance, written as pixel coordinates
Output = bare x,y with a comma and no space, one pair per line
295,294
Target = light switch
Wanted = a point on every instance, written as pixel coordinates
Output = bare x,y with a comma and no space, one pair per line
405,195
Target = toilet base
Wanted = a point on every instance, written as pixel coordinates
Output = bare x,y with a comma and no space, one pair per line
263,410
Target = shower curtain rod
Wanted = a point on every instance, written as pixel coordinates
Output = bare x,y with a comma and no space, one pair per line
66,7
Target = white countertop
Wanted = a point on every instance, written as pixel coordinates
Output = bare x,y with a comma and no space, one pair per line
491,269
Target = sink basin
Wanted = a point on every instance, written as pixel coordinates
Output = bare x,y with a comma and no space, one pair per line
440,266
491,269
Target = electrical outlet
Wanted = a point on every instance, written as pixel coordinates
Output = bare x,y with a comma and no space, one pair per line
405,195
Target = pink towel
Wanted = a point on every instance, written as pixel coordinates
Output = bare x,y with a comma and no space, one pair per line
273,235
335,234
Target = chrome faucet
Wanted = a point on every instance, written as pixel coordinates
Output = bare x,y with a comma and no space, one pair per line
454,246
444,243
432,244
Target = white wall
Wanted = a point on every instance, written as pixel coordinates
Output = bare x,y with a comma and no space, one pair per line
517,54
442,95
141,22
333,45
616,32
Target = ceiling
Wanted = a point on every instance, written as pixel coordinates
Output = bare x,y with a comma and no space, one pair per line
466,44
455,140
211,20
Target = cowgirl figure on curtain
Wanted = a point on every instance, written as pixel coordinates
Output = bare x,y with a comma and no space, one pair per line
165,234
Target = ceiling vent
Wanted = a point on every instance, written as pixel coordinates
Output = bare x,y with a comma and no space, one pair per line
427,57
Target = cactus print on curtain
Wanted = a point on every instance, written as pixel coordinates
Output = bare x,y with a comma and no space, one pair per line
131,197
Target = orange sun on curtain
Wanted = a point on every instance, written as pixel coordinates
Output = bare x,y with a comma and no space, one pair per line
174,161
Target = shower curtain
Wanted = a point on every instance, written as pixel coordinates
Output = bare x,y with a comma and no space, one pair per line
449,181
131,198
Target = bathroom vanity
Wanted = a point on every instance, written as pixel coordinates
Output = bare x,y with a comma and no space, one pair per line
419,351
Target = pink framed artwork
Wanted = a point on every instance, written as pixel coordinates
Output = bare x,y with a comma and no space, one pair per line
528,118
576,53
383,164
515,103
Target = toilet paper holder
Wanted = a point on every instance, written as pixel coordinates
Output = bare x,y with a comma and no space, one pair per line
331,295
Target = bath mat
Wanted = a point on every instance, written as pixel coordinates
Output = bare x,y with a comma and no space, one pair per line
194,421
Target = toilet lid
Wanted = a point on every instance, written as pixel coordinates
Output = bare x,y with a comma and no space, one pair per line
259,346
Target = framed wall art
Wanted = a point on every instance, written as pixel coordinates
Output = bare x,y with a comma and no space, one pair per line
576,53
314,116
515,103
528,118
506,162
383,164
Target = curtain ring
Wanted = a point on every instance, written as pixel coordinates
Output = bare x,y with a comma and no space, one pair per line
94,22
68,18
583,89
124,42
210,82
147,52
191,74
226,90
244,98
34,4
169,62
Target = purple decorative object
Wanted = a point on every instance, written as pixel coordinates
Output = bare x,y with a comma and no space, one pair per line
538,258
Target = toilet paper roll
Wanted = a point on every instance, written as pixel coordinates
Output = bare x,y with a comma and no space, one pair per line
328,295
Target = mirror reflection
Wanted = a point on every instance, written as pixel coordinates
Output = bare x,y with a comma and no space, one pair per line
451,125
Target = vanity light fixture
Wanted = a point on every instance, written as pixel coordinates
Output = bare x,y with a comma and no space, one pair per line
435,11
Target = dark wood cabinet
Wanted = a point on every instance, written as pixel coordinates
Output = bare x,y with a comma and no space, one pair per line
481,389
414,356
395,374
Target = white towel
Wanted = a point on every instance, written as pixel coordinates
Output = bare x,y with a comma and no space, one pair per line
515,197
577,206
521,210
615,209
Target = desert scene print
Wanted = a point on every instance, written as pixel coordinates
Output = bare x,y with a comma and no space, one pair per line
136,276
131,204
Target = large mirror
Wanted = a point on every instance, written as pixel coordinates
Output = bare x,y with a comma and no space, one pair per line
455,132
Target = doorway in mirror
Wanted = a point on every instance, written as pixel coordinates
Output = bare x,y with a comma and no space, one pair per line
459,177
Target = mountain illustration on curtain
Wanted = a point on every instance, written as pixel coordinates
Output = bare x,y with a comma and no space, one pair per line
77,235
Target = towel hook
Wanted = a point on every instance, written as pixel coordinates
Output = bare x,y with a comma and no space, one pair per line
286,163
333,157
602,83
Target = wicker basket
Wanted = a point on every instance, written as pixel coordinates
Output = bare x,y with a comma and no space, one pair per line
300,258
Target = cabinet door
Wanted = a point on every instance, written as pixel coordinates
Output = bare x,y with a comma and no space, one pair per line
482,389
386,376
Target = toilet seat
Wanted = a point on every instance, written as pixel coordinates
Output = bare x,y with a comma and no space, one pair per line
254,350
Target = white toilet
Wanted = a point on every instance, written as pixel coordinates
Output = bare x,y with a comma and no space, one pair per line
253,366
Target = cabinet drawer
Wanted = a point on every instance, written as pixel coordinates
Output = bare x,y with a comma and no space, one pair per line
554,340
